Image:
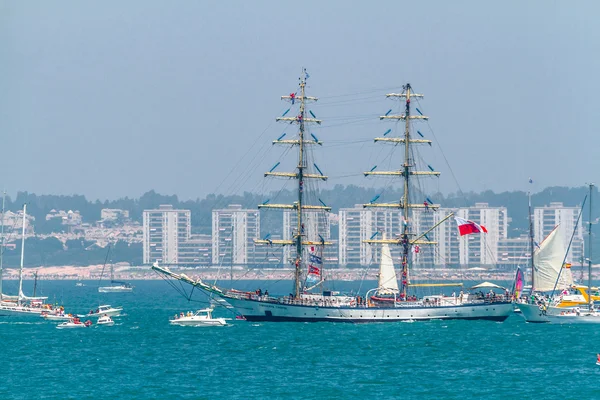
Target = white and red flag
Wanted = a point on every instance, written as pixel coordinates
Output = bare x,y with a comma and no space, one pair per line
466,227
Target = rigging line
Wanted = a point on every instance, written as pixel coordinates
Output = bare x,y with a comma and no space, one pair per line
364,100
439,146
362,92
241,158
365,270
180,290
369,121
335,177
349,118
250,170
350,141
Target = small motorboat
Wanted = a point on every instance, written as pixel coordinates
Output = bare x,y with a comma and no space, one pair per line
56,316
104,310
199,318
74,323
105,320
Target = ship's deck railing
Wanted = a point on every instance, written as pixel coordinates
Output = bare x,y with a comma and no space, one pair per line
358,302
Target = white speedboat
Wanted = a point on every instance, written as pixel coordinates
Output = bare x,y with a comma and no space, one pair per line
105,320
199,318
105,310
74,323
56,316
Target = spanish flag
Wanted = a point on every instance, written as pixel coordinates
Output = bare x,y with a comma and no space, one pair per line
567,265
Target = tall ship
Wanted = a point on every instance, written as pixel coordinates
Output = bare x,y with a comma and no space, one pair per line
310,300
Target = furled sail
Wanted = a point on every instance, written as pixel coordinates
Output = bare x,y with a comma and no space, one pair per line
548,262
388,284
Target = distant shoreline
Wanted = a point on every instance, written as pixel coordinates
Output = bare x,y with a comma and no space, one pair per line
94,272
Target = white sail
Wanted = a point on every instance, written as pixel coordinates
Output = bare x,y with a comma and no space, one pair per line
548,262
388,284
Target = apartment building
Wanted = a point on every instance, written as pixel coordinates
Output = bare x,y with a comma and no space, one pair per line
165,230
233,232
556,214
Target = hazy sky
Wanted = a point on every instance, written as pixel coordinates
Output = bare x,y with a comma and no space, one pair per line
116,98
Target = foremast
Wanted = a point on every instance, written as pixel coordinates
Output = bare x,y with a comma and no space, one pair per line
301,174
407,238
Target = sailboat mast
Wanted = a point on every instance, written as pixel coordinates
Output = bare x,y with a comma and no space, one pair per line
298,237
590,250
405,198
405,172
300,227
531,244
2,249
22,255
35,276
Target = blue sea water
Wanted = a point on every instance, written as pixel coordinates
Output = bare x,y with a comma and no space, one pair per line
143,357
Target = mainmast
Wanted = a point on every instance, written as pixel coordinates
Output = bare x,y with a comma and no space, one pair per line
407,170
590,251
301,175
531,243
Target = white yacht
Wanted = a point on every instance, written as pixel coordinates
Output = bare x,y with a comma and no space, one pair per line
105,310
199,318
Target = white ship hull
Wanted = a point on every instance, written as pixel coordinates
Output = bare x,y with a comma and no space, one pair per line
20,310
54,317
190,321
115,289
257,310
532,313
557,315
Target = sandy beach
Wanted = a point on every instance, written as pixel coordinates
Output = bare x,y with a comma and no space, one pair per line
94,272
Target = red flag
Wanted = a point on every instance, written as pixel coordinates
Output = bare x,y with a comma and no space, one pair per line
466,227
312,270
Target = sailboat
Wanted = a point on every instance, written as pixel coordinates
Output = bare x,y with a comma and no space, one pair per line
116,286
21,304
587,313
386,303
550,273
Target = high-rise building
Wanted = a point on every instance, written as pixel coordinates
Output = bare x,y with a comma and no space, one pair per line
556,214
316,227
359,224
446,250
233,232
482,249
197,251
514,252
165,229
